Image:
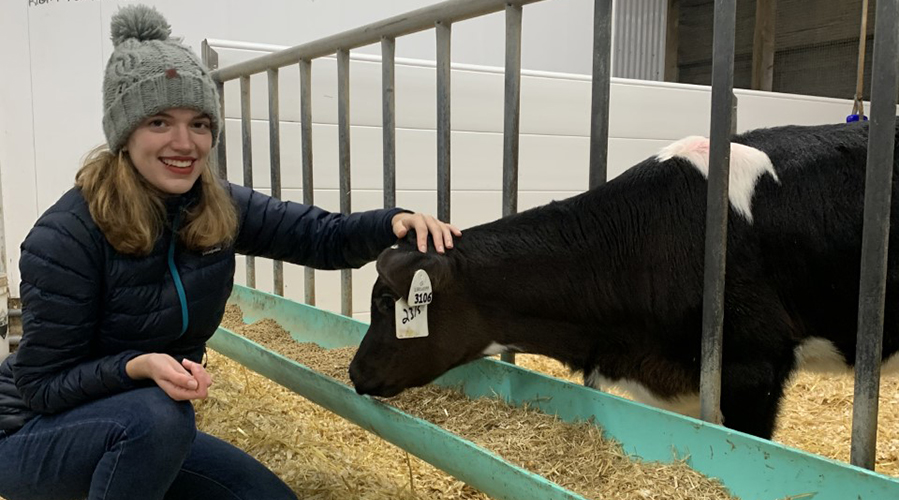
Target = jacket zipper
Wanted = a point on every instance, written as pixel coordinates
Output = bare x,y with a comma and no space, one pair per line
176,277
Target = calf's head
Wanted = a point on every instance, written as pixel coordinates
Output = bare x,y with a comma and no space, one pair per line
385,365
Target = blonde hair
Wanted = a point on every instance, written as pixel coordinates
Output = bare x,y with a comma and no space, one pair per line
131,212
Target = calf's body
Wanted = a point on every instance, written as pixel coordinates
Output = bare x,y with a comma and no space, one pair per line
610,281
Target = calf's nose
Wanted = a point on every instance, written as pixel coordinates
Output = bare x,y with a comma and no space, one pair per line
358,380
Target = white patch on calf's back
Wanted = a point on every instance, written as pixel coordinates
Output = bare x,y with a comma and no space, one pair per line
816,354
819,355
685,404
891,365
493,349
747,165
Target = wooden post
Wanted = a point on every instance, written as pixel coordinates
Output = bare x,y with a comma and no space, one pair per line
763,45
671,40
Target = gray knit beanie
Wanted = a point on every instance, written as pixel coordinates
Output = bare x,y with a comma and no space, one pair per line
148,73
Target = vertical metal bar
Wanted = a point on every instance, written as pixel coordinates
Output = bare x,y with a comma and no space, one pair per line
599,109
878,187
306,136
658,41
4,288
388,116
512,110
716,215
629,30
444,38
343,133
274,135
221,151
247,140
734,113
859,105
638,20
211,60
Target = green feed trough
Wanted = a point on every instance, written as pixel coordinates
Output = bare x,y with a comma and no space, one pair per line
752,468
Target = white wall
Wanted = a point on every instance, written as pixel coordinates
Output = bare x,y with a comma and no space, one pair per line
554,142
52,56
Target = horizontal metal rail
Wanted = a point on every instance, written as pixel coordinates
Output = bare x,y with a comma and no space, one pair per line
404,24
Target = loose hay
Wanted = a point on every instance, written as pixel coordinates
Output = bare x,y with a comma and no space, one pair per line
815,416
573,455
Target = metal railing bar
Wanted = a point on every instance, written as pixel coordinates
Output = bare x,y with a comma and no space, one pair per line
221,158
211,60
388,111
552,75
247,142
601,87
716,215
343,139
274,134
444,130
306,153
511,119
875,235
404,24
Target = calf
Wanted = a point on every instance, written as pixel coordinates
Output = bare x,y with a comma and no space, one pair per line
610,281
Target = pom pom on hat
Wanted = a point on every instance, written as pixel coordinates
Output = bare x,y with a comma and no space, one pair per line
149,72
140,22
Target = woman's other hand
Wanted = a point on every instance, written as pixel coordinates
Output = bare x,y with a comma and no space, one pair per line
181,381
441,232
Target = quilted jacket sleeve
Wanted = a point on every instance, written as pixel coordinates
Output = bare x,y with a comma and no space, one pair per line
54,368
308,235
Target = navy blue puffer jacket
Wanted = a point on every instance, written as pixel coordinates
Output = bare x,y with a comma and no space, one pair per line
88,310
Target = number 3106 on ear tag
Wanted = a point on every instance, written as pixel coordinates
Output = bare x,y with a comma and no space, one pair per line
412,313
420,293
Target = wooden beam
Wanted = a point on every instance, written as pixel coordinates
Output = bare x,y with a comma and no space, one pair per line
671,41
763,45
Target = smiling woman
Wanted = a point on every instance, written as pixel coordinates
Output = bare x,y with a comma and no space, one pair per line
169,149
125,278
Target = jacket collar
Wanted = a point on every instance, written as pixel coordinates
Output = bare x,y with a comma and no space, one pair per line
180,202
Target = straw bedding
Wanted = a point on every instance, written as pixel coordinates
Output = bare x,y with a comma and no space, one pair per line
815,416
323,456
573,455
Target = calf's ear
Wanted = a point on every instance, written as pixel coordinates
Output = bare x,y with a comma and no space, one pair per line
397,266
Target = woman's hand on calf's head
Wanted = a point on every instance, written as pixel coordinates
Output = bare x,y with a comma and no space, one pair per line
441,232
181,381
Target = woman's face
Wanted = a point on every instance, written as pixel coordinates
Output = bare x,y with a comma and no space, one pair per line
170,149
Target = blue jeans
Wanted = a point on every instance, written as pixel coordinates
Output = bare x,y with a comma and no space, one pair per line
136,445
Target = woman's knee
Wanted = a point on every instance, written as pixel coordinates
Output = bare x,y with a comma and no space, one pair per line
152,413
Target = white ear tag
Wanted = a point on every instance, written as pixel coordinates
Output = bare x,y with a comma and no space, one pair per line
411,321
412,314
420,292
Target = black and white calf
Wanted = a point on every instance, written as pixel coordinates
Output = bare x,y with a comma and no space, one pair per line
610,281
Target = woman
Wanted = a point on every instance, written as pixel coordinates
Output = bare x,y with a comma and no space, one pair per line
124,280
